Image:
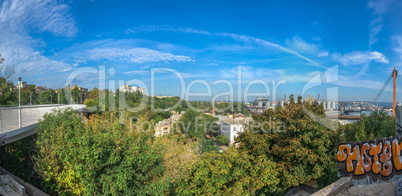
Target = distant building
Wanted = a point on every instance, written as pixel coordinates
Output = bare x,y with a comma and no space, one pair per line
211,113
329,105
162,96
125,88
141,90
164,127
131,89
84,94
236,116
232,127
261,102
40,89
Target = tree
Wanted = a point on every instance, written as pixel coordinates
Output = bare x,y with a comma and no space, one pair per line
48,97
76,95
33,96
194,124
208,145
223,140
7,93
378,125
93,94
6,71
179,157
231,173
62,96
92,100
303,149
98,158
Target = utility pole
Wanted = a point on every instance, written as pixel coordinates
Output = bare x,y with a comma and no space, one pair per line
19,102
394,75
30,98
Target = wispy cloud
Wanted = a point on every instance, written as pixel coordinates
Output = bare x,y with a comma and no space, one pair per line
378,7
134,55
398,47
198,74
359,58
352,81
237,37
249,73
137,72
299,45
18,19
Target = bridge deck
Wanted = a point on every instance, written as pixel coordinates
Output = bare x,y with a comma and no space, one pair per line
17,120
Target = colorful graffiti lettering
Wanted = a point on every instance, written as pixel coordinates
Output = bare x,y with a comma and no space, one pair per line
378,159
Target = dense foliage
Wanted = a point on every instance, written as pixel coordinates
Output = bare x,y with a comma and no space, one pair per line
100,157
377,125
232,173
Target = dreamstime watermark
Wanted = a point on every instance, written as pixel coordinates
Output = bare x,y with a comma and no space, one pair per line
242,94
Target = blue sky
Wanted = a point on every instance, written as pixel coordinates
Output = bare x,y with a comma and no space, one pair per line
270,42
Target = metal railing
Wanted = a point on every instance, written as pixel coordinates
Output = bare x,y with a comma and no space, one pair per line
13,118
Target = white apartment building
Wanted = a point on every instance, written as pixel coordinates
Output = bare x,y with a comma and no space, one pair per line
131,89
125,88
231,128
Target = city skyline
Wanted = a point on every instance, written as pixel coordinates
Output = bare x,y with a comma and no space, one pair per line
275,42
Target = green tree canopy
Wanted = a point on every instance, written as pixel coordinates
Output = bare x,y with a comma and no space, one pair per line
100,157
379,124
231,173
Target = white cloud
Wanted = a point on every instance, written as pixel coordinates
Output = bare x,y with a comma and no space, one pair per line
298,44
237,37
19,18
398,48
322,53
249,73
198,74
359,83
262,42
378,7
137,72
360,57
134,55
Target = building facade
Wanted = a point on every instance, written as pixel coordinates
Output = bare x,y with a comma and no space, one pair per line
232,126
131,89
164,127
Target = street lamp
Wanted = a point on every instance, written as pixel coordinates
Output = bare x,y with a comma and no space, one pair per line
19,102
19,91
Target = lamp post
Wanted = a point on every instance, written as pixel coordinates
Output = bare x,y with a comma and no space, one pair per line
19,102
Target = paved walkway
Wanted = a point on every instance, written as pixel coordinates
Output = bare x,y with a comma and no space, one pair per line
372,189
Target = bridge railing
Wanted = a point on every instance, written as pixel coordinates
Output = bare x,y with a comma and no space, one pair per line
13,118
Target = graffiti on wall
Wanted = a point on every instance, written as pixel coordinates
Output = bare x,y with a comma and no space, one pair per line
378,159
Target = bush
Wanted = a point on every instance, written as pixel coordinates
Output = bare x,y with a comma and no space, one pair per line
223,140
